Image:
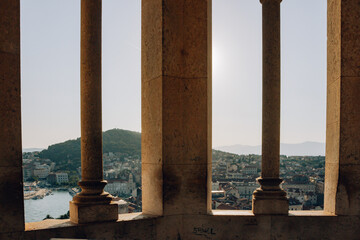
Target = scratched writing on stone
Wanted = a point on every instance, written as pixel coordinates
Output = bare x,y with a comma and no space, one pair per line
204,231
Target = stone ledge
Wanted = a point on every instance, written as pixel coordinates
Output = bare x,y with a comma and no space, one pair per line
310,214
249,213
232,213
62,223
48,223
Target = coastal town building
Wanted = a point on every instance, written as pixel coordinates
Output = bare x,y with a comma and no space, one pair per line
61,178
41,171
27,171
121,187
246,189
250,170
303,187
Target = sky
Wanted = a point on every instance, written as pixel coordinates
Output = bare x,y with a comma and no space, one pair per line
50,74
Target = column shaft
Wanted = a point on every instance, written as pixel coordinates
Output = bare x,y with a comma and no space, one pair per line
91,124
271,89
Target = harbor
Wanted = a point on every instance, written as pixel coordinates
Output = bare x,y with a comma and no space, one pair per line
37,194
54,204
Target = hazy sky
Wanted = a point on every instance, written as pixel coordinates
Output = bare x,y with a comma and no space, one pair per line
50,61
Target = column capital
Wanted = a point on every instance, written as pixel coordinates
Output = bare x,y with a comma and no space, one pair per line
262,1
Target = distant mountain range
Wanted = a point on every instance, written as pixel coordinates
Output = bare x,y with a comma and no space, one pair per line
298,149
118,140
32,149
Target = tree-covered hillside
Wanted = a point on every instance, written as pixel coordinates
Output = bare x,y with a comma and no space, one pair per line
124,141
67,154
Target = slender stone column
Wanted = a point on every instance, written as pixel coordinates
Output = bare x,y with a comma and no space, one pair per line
92,204
270,198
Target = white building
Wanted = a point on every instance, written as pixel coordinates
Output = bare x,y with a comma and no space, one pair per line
215,186
41,171
120,187
246,190
309,187
62,178
234,175
251,170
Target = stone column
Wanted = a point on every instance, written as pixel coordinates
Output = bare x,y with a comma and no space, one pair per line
11,182
176,108
342,166
92,204
270,198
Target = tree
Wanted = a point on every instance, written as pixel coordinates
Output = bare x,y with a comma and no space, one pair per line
48,217
65,216
73,180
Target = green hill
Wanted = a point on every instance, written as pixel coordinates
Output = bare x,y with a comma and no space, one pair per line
67,154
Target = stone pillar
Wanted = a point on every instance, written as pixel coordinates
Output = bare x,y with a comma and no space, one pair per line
11,182
176,107
270,198
92,204
342,168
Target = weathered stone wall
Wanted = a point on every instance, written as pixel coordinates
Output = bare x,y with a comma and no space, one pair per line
11,191
192,227
342,169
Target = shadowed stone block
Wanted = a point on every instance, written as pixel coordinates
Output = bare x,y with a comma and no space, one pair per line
184,191
270,206
11,200
152,193
11,190
83,213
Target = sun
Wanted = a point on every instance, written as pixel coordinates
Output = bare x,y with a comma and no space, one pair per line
217,60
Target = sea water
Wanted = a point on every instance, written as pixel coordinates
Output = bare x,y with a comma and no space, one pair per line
55,205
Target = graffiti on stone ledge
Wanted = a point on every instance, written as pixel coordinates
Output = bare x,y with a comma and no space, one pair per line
204,231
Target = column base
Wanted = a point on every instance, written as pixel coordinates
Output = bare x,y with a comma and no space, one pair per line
270,206
88,213
270,198
92,204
